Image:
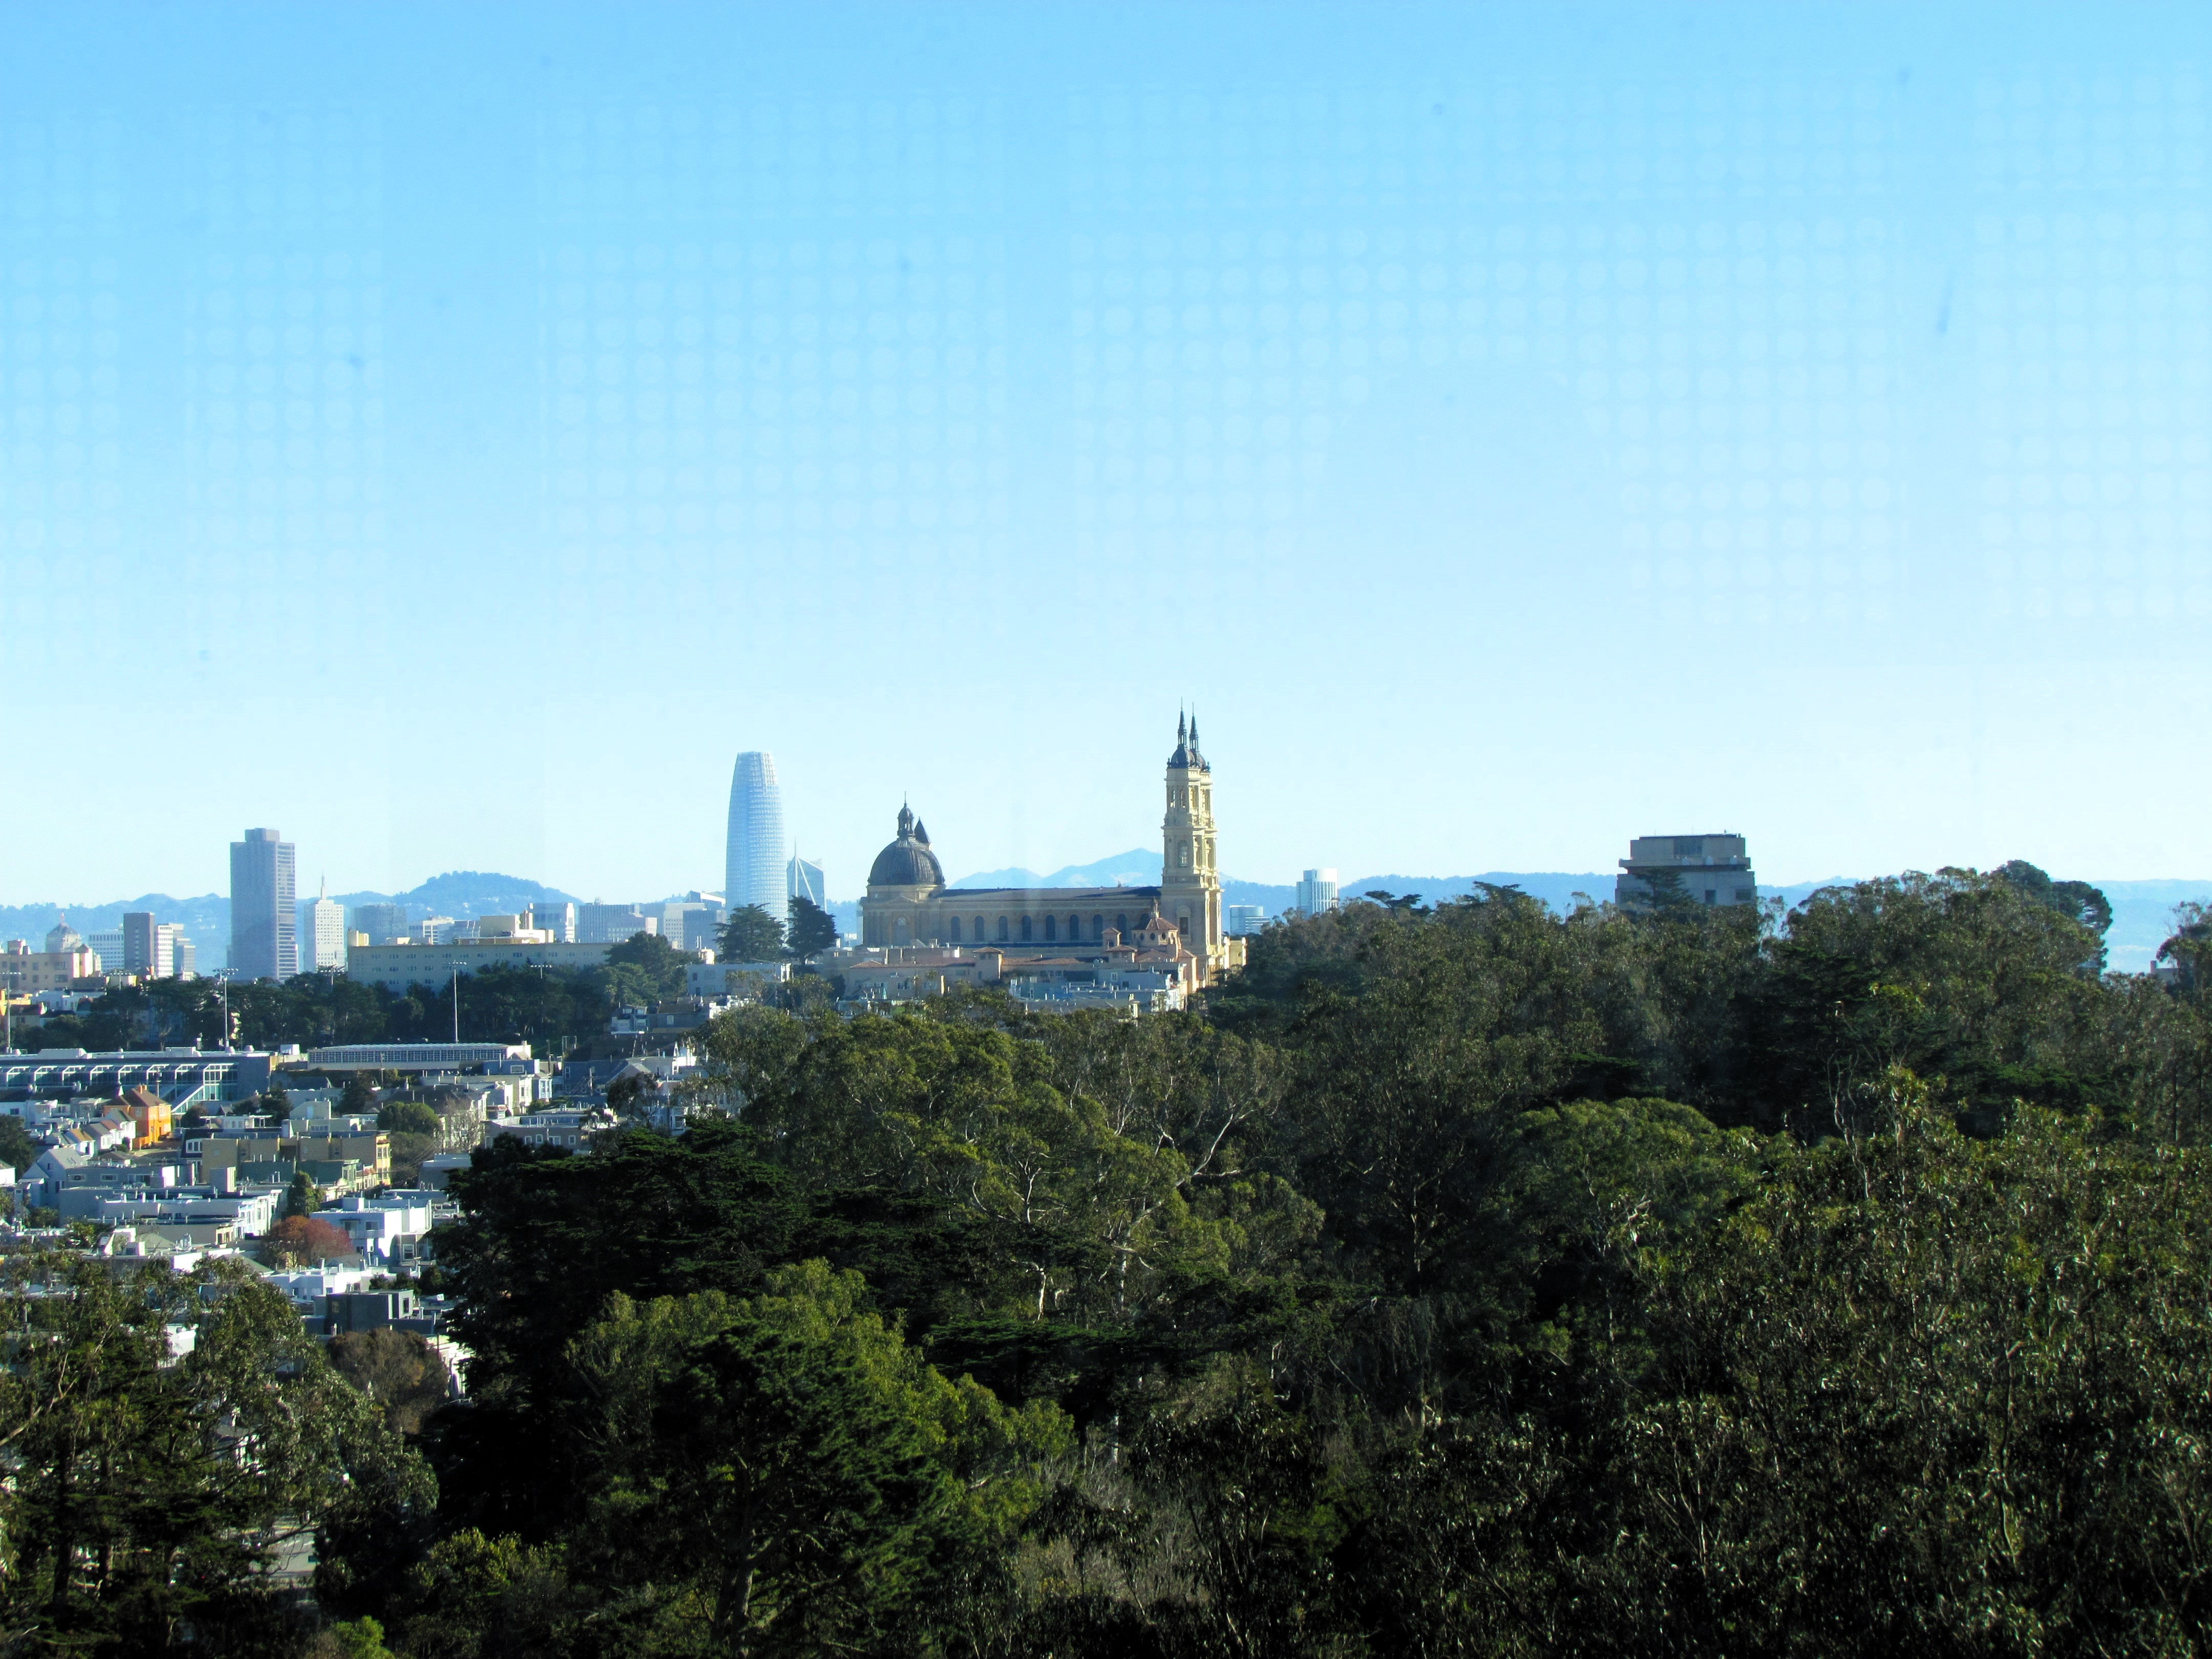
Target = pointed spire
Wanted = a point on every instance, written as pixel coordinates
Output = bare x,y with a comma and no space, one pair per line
1183,731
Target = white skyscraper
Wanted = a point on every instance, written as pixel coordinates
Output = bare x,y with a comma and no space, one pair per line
322,934
755,870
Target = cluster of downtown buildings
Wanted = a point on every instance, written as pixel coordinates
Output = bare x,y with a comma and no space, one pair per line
917,935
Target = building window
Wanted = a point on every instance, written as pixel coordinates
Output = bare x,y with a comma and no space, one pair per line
1075,927
956,930
1120,924
1002,928
1025,930
979,931
1098,928
1051,927
1182,927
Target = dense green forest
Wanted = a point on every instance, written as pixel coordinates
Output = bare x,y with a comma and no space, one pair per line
1462,1280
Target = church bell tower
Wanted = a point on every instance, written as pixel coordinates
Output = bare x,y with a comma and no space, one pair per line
1190,882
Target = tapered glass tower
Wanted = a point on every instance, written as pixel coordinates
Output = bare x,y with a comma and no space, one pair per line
755,871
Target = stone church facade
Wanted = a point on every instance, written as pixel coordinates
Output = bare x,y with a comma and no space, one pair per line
907,902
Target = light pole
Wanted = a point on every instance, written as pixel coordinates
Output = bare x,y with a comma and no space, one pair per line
456,1005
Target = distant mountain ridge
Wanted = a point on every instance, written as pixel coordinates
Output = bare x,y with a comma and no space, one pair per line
465,893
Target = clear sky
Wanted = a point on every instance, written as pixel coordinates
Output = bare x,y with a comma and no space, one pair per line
449,433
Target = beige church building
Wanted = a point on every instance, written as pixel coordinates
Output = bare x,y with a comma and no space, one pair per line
908,903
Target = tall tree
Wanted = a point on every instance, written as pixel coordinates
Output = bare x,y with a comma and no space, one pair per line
751,934
812,930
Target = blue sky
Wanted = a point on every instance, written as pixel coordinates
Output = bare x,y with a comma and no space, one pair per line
451,434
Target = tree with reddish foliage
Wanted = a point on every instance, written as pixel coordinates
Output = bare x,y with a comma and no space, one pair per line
300,1239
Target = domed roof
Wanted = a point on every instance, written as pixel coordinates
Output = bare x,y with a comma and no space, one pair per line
907,862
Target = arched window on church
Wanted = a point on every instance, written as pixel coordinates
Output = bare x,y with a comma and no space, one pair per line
979,930
956,930
1075,927
1025,930
1002,928
1051,932
1098,928
1121,925
1182,927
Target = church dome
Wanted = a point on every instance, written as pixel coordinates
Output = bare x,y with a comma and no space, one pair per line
907,862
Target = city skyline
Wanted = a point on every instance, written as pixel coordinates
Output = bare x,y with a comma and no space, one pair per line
1515,430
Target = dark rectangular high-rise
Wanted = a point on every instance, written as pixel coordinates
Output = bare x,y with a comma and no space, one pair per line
263,941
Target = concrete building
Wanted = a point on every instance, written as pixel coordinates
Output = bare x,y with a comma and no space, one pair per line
1242,921
383,923
557,918
263,940
1316,892
610,924
322,934
908,904
182,1077
753,854
396,967
690,923
1713,870
416,1056
26,972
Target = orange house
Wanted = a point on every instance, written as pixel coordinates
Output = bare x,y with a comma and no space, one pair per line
150,1114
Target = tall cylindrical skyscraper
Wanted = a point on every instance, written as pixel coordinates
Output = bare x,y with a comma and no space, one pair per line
755,872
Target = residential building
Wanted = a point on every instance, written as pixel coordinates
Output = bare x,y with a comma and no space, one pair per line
151,1116
557,918
1316,892
1242,921
322,935
380,1227
383,923
264,942
572,1129
749,980
803,878
396,967
248,1214
610,924
753,851
1713,870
